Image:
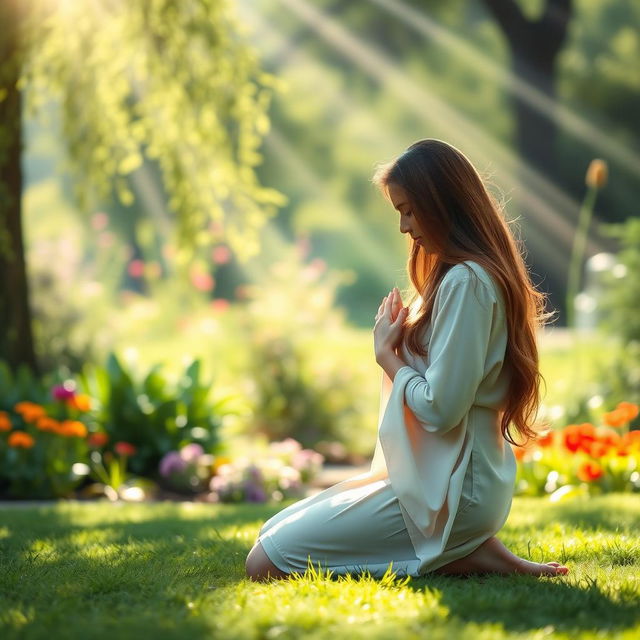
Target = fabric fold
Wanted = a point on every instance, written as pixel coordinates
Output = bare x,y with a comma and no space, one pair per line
426,471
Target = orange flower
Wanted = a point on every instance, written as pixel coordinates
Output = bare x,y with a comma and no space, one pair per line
48,424
623,450
616,418
124,449
631,439
5,421
546,440
598,449
629,408
30,411
590,471
80,401
72,429
597,173
98,439
608,436
21,439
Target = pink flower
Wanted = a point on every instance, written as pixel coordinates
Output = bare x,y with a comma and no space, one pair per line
220,305
285,447
136,268
191,452
221,254
307,458
202,281
64,391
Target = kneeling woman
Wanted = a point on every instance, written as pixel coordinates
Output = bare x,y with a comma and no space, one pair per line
460,378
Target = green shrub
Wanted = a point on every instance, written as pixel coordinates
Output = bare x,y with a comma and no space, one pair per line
152,413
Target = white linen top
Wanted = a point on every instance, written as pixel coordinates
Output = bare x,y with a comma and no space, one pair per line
441,408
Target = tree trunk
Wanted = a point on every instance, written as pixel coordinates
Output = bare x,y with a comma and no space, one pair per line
535,133
16,340
534,46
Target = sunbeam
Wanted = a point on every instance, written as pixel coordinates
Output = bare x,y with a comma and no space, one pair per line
553,212
474,58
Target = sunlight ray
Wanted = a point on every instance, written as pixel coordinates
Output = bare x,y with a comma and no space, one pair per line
554,212
570,121
548,245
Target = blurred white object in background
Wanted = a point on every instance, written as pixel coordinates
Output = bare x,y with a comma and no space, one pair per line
587,304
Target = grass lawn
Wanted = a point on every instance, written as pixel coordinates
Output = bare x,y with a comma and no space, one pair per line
94,570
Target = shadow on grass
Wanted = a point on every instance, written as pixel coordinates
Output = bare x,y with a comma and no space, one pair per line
525,602
603,518
610,512
136,570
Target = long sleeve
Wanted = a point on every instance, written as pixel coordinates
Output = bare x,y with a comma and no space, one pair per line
441,397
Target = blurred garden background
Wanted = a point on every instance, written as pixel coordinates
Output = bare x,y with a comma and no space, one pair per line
193,252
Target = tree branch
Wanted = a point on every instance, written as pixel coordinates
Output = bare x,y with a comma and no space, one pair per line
510,18
554,22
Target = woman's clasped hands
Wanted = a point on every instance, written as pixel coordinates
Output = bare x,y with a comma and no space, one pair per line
387,332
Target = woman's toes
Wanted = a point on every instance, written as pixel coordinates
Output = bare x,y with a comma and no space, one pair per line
554,569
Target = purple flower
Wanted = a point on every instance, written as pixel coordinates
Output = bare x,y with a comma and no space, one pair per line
254,473
254,492
171,463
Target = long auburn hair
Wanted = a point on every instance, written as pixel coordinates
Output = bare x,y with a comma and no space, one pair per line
460,220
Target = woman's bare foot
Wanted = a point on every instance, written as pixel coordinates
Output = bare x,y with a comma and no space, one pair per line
493,557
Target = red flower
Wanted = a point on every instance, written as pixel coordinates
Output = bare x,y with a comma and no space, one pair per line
578,437
571,437
590,471
98,439
124,449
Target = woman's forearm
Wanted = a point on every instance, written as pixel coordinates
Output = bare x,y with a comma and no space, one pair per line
390,362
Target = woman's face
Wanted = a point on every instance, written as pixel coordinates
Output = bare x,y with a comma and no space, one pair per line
408,223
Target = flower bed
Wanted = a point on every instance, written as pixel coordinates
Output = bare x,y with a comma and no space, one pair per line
61,442
583,458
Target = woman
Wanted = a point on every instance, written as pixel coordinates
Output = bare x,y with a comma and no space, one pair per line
460,379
